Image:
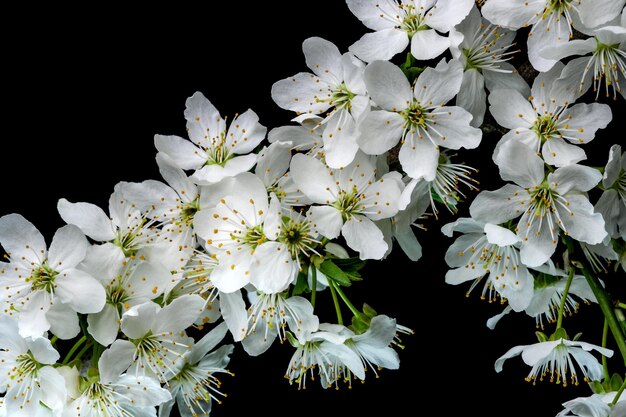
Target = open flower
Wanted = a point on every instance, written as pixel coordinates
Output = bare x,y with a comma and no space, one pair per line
545,122
597,405
36,279
32,387
374,345
416,116
547,206
336,87
612,202
348,201
489,250
398,22
557,358
214,152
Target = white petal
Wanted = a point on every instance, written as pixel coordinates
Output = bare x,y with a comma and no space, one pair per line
176,178
448,13
585,120
80,290
9,335
539,238
340,135
210,174
42,350
512,13
495,80
571,48
258,342
302,93
365,237
381,45
388,86
574,177
580,221
148,280
500,236
313,178
500,205
463,225
63,321
542,36
520,164
273,162
409,244
439,85
72,380
139,320
428,44
493,321
453,129
325,220
572,80
594,13
613,167
519,289
419,157
300,318
300,137
509,354
608,206
203,120
324,58
346,356
460,253
245,133
145,392
272,268
526,136
152,197
208,342
381,198
369,12
380,131
272,225
463,274
68,248
53,391
511,109
533,354
90,218
179,314
472,96
184,153
233,271
548,94
32,319
115,360
20,239
234,312
104,326
103,262
557,152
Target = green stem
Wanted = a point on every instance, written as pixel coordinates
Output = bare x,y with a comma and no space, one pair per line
605,364
619,393
607,309
54,340
352,308
559,320
333,292
82,352
97,352
74,349
621,305
313,284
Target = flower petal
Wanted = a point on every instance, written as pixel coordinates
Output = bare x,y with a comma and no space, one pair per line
512,13
580,221
115,360
21,240
557,152
437,86
500,205
139,320
534,354
68,248
245,133
184,153
211,174
453,129
302,93
594,13
365,237
500,236
584,121
380,131
372,12
90,218
80,290
325,220
313,178
511,109
381,45
272,269
340,135
63,321
546,32
520,164
428,44
203,120
179,314
419,157
324,59
43,351
234,312
176,178
574,177
539,234
104,325
388,86
472,96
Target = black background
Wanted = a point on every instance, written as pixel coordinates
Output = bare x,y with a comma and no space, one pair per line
82,103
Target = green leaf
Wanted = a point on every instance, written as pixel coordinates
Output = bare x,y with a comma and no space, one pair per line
335,273
302,284
616,382
351,264
597,387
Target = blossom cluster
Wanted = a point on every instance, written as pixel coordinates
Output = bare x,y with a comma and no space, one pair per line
247,226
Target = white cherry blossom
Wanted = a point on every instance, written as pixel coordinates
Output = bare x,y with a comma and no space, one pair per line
612,202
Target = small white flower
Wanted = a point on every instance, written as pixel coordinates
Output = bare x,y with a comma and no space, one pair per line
31,387
374,346
612,202
336,87
555,359
214,152
484,50
597,405
195,386
270,315
118,394
326,352
607,62
398,22
547,206
545,122
348,201
416,116
156,334
486,249
551,21
36,279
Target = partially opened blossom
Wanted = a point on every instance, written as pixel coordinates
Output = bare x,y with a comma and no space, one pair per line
374,345
397,23
547,205
555,360
612,202
348,201
551,21
416,116
546,122
489,251
596,405
484,50
32,387
195,385
37,278
116,393
215,151
336,89
602,61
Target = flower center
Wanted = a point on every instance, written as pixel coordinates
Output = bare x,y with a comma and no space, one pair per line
348,203
296,236
26,366
416,116
189,210
412,22
103,399
116,293
219,154
342,97
43,278
546,128
610,63
558,6
254,236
